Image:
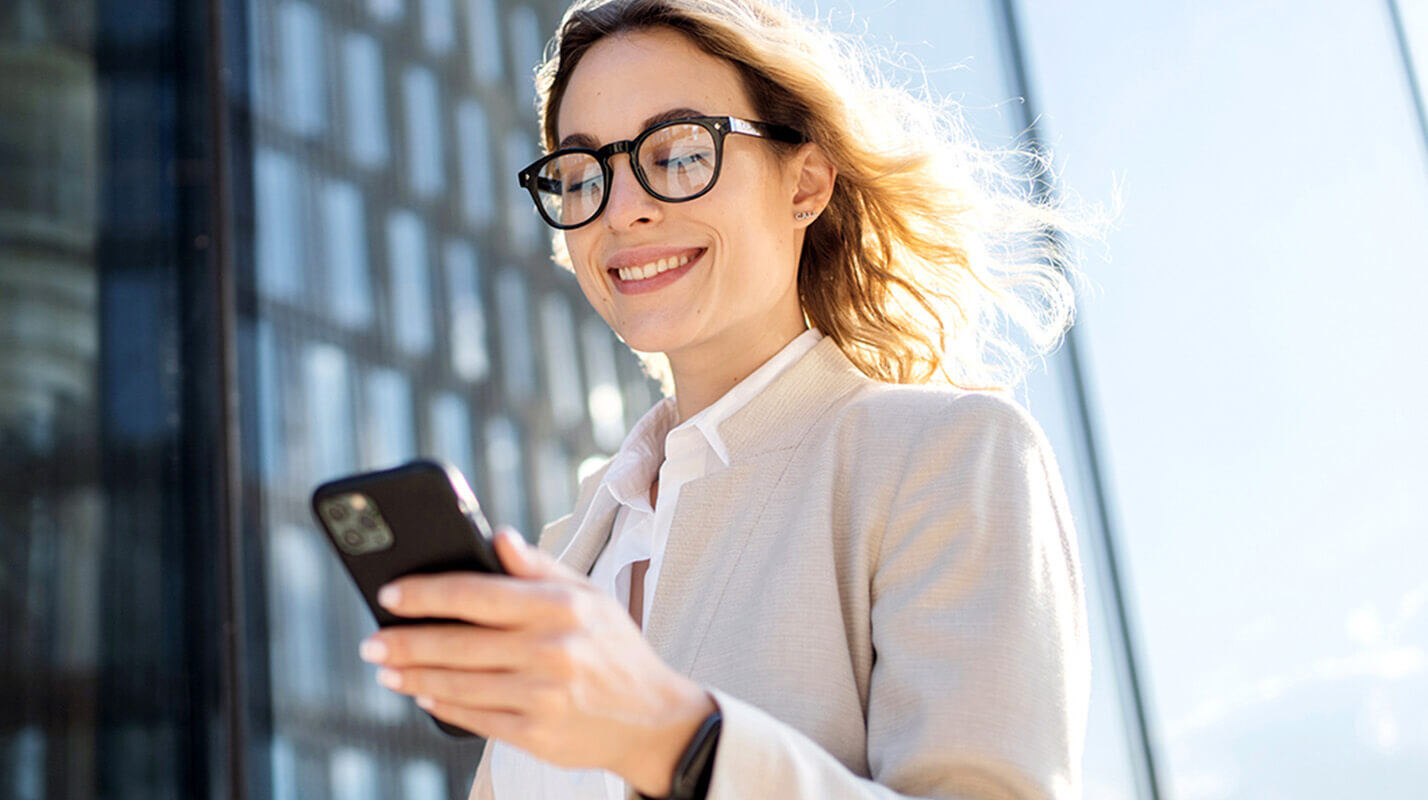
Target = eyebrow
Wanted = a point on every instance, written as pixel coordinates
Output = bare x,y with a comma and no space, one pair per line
586,140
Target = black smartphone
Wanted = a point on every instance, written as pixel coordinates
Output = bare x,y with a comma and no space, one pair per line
417,518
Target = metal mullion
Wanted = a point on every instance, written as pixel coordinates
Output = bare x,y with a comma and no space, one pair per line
1415,90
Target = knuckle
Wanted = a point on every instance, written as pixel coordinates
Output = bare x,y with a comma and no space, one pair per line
548,697
559,655
523,729
573,607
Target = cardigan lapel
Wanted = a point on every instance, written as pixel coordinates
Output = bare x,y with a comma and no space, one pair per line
716,514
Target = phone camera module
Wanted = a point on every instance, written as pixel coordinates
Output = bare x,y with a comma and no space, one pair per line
357,524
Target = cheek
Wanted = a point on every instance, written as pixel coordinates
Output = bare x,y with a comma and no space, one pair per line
591,285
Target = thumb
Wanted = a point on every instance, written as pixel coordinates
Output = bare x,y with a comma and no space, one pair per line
522,560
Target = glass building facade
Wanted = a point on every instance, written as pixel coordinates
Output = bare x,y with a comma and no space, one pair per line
249,245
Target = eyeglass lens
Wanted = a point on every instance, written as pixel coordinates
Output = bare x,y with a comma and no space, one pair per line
677,162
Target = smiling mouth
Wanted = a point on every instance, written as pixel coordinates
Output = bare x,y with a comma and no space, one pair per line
657,267
654,275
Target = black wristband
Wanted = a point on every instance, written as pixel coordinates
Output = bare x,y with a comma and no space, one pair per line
696,766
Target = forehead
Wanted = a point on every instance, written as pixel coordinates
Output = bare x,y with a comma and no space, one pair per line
627,78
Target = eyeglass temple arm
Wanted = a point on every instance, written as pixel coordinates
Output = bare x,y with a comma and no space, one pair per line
782,133
541,184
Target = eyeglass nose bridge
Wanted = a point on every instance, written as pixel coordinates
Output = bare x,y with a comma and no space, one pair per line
615,148
603,156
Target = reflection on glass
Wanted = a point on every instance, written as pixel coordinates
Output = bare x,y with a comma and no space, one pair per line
385,10
640,395
605,402
423,780
525,225
554,482
279,225
561,369
298,618
469,358
270,406
526,40
26,760
517,355
304,77
344,230
389,437
474,150
451,434
484,40
424,148
438,26
410,284
354,775
503,464
328,397
284,767
365,100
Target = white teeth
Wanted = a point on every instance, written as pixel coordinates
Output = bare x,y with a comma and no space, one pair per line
652,269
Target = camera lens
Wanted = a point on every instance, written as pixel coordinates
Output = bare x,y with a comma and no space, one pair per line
370,523
352,538
336,512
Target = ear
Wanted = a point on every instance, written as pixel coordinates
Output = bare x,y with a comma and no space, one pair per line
811,176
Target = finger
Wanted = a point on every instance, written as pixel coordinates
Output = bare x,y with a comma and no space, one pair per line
498,601
487,723
455,646
504,691
522,560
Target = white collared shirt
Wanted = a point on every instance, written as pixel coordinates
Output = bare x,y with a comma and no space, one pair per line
678,454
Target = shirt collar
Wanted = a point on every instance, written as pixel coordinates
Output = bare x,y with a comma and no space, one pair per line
708,419
637,462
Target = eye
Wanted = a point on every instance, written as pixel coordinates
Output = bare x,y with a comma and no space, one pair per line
684,160
581,187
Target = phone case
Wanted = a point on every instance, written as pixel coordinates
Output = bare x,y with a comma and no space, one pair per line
436,526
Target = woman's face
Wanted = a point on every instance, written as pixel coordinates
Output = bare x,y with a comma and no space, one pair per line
739,286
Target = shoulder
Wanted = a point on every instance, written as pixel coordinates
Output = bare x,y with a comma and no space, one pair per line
935,420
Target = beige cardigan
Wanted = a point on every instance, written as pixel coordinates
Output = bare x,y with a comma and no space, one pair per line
881,592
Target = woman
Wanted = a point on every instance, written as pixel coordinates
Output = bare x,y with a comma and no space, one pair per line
815,569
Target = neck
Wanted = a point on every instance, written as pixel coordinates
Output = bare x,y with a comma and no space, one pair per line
706,372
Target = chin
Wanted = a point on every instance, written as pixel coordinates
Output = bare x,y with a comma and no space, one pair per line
654,339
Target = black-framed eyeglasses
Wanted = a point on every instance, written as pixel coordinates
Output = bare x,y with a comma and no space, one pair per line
674,161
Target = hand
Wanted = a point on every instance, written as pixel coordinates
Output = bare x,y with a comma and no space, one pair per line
557,667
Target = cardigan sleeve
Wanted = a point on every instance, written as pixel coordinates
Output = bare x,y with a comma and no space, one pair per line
981,675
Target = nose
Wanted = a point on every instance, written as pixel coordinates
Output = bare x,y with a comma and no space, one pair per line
629,205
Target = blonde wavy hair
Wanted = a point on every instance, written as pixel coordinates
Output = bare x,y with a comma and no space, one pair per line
936,260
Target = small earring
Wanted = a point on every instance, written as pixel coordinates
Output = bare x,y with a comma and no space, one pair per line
804,215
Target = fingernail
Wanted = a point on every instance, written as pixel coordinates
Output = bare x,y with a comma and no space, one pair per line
425,702
513,538
389,596
389,678
372,650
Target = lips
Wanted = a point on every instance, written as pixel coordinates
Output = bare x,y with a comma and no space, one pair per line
650,269
642,256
